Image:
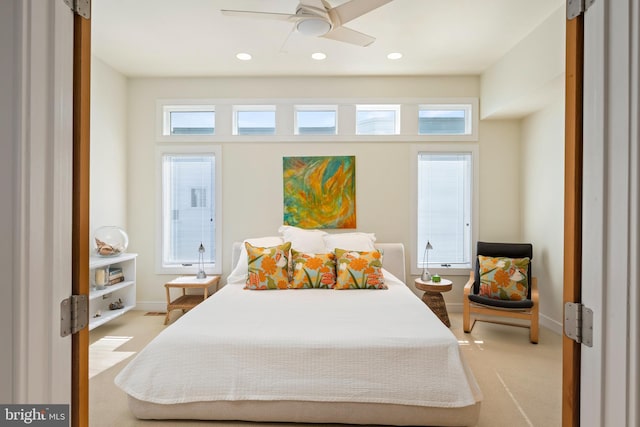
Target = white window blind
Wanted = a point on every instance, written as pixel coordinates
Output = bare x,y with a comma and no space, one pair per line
188,209
444,209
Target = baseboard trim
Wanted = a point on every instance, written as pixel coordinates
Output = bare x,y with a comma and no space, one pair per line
551,324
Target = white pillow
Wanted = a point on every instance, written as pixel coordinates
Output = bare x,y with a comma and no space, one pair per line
241,270
308,241
356,241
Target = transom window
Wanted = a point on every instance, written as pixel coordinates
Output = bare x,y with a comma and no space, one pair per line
189,120
315,120
444,119
254,120
304,119
377,119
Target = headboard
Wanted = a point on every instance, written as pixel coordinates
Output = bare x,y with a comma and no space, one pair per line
393,260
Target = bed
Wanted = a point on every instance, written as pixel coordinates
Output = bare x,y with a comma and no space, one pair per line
308,355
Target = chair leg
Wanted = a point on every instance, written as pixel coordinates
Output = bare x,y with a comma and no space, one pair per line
534,332
466,317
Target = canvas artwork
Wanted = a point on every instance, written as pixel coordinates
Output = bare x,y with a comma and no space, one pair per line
319,191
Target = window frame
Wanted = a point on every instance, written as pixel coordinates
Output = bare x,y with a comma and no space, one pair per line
415,253
188,149
406,121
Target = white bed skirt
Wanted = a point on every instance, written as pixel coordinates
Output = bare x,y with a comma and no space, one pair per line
309,412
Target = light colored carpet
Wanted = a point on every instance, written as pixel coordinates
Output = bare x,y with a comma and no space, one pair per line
521,382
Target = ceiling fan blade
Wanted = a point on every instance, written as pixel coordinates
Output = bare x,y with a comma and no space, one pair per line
259,15
353,9
347,35
317,4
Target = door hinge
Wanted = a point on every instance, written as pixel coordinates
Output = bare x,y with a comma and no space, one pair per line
74,314
80,7
578,7
578,323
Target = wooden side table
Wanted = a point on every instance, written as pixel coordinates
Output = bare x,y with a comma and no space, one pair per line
433,297
187,302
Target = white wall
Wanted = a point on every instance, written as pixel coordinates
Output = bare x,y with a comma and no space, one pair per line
109,179
252,172
542,192
528,76
528,82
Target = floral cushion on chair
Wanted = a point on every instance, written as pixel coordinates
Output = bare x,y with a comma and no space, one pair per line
504,278
313,270
359,270
268,267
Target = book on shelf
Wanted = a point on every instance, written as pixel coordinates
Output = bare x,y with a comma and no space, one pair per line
115,271
116,280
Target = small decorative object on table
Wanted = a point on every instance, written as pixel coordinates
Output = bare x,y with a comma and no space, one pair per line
435,278
110,241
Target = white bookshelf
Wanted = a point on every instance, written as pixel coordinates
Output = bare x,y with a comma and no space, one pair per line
99,300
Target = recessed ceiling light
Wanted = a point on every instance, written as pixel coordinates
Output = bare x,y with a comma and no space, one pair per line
243,56
319,56
394,55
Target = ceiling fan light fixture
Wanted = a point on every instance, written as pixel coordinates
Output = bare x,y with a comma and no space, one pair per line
313,27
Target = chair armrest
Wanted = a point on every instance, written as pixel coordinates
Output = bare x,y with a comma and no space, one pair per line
534,290
469,285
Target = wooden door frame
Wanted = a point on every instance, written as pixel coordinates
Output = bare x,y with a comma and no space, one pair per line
572,213
80,227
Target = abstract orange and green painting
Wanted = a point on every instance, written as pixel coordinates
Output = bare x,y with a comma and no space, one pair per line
320,192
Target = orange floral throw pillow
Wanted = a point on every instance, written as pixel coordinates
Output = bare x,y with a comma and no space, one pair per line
268,267
359,270
504,278
313,270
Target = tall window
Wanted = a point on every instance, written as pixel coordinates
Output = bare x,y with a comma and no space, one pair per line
189,196
444,208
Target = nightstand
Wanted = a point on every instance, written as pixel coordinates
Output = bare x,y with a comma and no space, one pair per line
187,302
433,297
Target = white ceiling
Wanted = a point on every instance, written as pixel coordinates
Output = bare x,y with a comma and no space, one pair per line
192,37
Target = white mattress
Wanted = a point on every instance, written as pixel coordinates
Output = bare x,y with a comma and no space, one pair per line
367,346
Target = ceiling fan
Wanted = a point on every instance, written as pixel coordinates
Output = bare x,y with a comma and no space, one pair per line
316,18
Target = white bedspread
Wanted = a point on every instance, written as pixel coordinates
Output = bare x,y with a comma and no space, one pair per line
382,346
